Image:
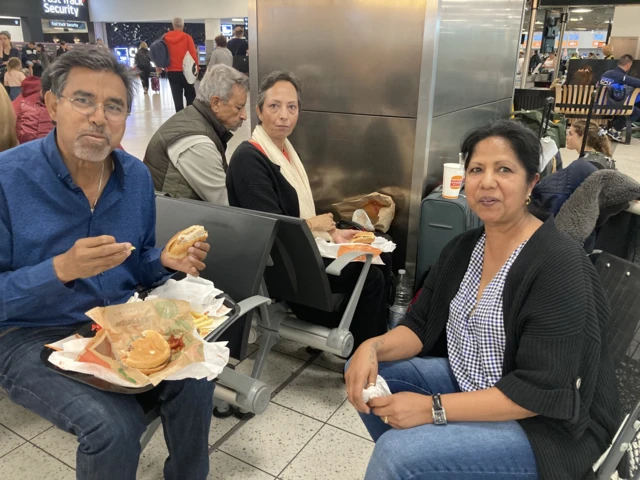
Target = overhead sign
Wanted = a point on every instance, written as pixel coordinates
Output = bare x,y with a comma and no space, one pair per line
66,9
581,3
67,24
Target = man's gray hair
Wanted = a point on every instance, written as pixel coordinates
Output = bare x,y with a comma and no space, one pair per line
274,77
97,59
219,81
178,22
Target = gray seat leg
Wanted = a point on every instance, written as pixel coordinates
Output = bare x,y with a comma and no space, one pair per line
149,432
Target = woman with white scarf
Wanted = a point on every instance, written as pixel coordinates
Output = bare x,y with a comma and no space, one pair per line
266,174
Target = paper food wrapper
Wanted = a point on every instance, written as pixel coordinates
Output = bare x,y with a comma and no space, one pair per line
121,325
380,208
332,250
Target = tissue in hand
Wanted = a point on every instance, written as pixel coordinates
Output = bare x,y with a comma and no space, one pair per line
380,389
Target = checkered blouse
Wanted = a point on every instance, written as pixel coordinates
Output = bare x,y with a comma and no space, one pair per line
475,334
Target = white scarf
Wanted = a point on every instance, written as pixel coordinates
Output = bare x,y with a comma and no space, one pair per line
291,169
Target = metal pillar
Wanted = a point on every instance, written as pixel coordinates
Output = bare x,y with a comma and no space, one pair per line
527,52
564,18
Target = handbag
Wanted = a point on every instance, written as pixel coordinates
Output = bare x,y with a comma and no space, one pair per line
189,68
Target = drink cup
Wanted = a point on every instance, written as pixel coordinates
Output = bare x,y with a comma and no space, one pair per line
452,180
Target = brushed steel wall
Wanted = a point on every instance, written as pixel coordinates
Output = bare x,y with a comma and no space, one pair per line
389,89
353,56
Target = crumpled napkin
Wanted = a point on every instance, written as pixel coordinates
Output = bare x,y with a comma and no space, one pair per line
380,389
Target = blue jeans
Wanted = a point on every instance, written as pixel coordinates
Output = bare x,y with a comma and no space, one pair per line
108,425
461,451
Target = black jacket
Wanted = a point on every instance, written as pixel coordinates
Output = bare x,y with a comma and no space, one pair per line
254,182
143,60
556,362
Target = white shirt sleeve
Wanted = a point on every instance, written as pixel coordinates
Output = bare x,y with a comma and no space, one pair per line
198,160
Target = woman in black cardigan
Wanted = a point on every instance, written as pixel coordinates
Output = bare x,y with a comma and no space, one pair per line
501,369
266,174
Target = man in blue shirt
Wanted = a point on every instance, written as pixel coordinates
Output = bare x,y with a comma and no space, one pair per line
71,208
621,84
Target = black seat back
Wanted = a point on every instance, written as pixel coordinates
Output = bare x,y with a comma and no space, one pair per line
298,273
621,282
240,245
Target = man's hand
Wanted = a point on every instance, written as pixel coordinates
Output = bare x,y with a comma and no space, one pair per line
192,264
403,410
362,372
89,257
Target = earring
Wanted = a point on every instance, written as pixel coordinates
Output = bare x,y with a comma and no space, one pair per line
528,200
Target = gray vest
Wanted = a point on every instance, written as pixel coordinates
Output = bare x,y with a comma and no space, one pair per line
196,119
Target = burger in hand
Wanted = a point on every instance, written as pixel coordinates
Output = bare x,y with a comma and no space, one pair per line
186,251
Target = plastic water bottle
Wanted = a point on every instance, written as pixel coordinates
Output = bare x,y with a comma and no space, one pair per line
402,300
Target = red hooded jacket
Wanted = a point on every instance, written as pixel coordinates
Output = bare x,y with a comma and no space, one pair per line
179,43
32,118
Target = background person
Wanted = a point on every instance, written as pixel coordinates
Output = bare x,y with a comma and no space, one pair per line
186,156
597,150
8,138
142,62
221,55
620,84
14,77
57,191
517,376
32,117
62,49
266,174
238,45
30,58
43,56
179,44
607,51
8,50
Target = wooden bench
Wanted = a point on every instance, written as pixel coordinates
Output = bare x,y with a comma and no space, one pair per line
574,101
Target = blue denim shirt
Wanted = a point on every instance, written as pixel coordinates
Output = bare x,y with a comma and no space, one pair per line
43,213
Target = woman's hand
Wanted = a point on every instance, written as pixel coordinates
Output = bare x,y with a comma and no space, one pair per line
362,371
192,264
403,410
322,223
343,236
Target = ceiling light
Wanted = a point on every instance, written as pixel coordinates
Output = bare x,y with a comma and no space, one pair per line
574,19
583,29
582,10
237,19
538,22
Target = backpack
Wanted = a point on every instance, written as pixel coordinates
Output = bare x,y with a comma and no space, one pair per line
160,53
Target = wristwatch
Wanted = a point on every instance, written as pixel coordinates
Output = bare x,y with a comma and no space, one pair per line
437,410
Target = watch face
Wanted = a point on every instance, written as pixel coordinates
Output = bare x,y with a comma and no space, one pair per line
439,417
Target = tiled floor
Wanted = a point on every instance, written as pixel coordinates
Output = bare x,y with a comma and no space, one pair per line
309,430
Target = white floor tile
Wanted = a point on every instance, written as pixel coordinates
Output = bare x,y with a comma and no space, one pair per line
294,349
9,441
30,463
347,418
220,427
20,420
271,440
278,369
225,467
316,392
332,453
331,361
58,443
152,459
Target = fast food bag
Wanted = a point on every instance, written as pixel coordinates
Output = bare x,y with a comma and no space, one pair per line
379,207
122,324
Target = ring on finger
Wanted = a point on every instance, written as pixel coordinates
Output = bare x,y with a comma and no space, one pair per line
371,384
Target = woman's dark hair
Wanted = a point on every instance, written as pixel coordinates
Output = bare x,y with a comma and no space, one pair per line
221,41
523,142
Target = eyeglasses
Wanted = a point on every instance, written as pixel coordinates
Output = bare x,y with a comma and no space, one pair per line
112,111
